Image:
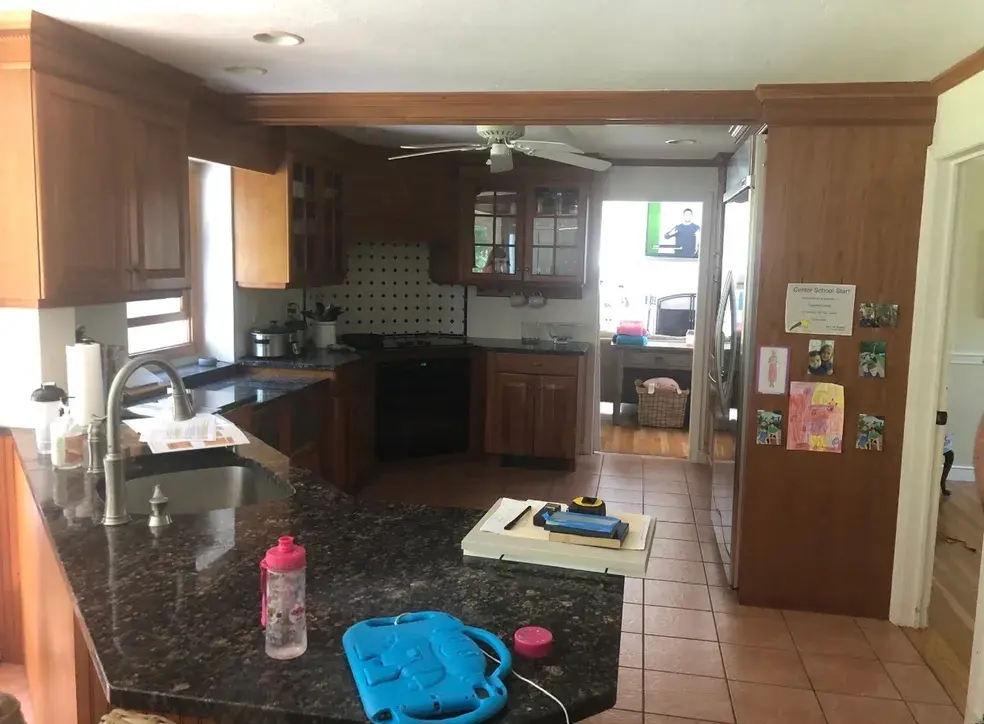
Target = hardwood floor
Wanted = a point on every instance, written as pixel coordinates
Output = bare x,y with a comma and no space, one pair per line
629,437
947,643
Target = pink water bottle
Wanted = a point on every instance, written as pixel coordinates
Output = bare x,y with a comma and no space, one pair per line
282,586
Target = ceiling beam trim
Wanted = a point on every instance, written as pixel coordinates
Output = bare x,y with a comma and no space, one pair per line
530,108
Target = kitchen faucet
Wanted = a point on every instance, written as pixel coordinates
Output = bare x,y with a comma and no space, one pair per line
115,474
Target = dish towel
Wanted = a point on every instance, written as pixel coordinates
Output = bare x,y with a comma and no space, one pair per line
631,328
636,339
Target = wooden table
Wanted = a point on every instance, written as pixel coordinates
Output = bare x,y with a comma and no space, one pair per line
661,358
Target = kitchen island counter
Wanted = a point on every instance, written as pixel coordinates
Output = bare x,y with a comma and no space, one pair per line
172,621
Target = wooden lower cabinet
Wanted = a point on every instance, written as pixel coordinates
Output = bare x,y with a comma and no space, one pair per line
535,412
510,422
327,428
555,429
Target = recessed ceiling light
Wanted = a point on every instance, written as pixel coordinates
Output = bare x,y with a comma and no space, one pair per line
278,37
680,141
245,70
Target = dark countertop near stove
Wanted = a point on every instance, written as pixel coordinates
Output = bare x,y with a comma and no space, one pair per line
173,619
330,360
516,345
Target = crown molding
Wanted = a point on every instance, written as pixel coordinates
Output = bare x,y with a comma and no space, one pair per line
55,48
848,103
530,108
959,72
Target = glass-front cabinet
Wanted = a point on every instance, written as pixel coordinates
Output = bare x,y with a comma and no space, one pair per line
524,230
495,217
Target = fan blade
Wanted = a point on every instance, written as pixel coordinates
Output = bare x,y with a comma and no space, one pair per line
500,163
431,153
523,144
573,159
425,146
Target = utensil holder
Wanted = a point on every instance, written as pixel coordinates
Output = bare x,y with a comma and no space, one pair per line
324,334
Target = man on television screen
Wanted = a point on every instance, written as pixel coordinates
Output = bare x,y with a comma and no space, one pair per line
685,235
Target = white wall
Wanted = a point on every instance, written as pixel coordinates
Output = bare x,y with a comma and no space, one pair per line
958,118
966,381
20,369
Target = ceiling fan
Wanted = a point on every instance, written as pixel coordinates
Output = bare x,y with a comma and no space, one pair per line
501,141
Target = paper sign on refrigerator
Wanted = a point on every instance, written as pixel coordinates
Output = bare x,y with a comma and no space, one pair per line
820,309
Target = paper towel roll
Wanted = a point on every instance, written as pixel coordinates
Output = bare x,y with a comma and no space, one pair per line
85,381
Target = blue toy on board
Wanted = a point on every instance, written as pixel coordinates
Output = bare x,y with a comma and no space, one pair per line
420,666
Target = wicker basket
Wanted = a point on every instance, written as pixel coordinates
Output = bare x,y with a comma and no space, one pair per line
663,408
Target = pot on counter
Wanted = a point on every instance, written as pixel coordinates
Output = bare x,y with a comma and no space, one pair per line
273,340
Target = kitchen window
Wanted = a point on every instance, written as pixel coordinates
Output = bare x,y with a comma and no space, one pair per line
159,324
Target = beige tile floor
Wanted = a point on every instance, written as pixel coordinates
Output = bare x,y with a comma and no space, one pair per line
692,655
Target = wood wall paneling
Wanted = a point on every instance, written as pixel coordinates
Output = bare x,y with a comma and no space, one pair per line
842,204
11,631
534,108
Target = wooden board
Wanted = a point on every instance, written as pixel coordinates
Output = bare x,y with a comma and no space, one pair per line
842,205
514,546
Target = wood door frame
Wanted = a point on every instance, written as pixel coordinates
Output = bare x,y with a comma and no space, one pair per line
915,538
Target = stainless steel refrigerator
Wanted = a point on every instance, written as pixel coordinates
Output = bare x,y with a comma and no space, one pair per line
732,356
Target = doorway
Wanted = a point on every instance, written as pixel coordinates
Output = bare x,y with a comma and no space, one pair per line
649,279
947,642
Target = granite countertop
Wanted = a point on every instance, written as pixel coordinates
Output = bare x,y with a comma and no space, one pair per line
312,359
541,347
238,388
172,618
329,360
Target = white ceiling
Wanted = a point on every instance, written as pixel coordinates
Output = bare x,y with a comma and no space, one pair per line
457,45
617,142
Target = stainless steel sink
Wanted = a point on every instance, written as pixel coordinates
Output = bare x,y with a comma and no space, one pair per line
198,491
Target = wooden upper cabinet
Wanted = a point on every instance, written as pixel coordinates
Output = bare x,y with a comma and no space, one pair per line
523,227
108,181
159,232
287,225
82,197
411,201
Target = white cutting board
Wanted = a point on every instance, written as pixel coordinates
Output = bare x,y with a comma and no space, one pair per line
527,544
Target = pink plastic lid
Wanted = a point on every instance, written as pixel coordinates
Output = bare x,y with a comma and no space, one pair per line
533,642
285,556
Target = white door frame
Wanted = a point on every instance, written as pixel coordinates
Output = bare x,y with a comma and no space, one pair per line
915,538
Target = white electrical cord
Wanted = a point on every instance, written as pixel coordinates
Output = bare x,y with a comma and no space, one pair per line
567,718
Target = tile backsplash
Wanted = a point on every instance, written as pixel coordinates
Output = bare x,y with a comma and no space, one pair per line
388,290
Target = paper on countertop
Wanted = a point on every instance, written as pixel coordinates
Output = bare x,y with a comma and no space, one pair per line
200,428
226,435
509,508
157,408
507,511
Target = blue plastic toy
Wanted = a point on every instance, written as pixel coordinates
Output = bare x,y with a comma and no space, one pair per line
420,666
